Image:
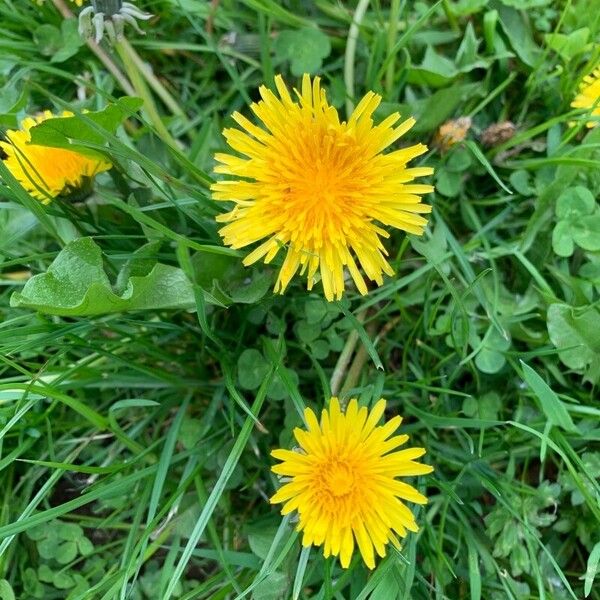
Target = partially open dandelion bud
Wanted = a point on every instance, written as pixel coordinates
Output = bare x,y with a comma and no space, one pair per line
110,17
451,132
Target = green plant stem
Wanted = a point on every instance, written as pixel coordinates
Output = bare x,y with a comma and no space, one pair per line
141,89
153,81
344,359
359,14
391,40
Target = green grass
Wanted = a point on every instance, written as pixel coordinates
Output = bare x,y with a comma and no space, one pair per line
134,446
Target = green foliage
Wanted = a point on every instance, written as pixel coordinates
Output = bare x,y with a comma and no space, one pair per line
305,49
146,374
76,284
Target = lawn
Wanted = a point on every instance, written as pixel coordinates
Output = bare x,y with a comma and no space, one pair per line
229,229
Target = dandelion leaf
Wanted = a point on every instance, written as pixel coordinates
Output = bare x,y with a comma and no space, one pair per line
76,285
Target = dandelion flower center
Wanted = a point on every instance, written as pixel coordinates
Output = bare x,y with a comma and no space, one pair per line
343,481
319,187
336,479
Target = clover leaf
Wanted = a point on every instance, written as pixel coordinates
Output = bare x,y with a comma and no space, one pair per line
305,49
578,222
576,335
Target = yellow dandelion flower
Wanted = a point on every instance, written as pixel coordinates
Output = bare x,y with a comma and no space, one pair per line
46,172
342,481
589,95
319,187
77,2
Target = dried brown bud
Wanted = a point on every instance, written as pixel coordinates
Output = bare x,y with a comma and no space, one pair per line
498,133
451,132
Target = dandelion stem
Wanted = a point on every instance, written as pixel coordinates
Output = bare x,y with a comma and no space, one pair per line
153,81
391,40
136,76
344,359
359,14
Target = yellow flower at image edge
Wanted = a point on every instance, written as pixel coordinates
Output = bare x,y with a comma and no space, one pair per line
589,95
342,481
47,172
77,2
319,187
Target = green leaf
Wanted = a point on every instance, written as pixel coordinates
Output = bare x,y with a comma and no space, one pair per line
448,183
568,46
490,359
575,202
63,581
436,70
553,407
586,233
307,332
261,539
71,41
66,132
48,39
519,35
562,240
6,591
69,531
274,587
227,281
305,49
252,368
190,432
592,569
387,588
434,109
467,7
77,285
520,180
65,552
576,335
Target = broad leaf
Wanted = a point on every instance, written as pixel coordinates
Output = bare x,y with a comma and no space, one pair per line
77,285
66,132
568,46
576,334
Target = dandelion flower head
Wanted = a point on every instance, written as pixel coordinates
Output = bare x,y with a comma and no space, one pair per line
318,187
589,95
343,481
46,172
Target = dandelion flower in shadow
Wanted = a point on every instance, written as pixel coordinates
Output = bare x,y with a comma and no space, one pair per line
589,95
44,172
319,188
343,482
